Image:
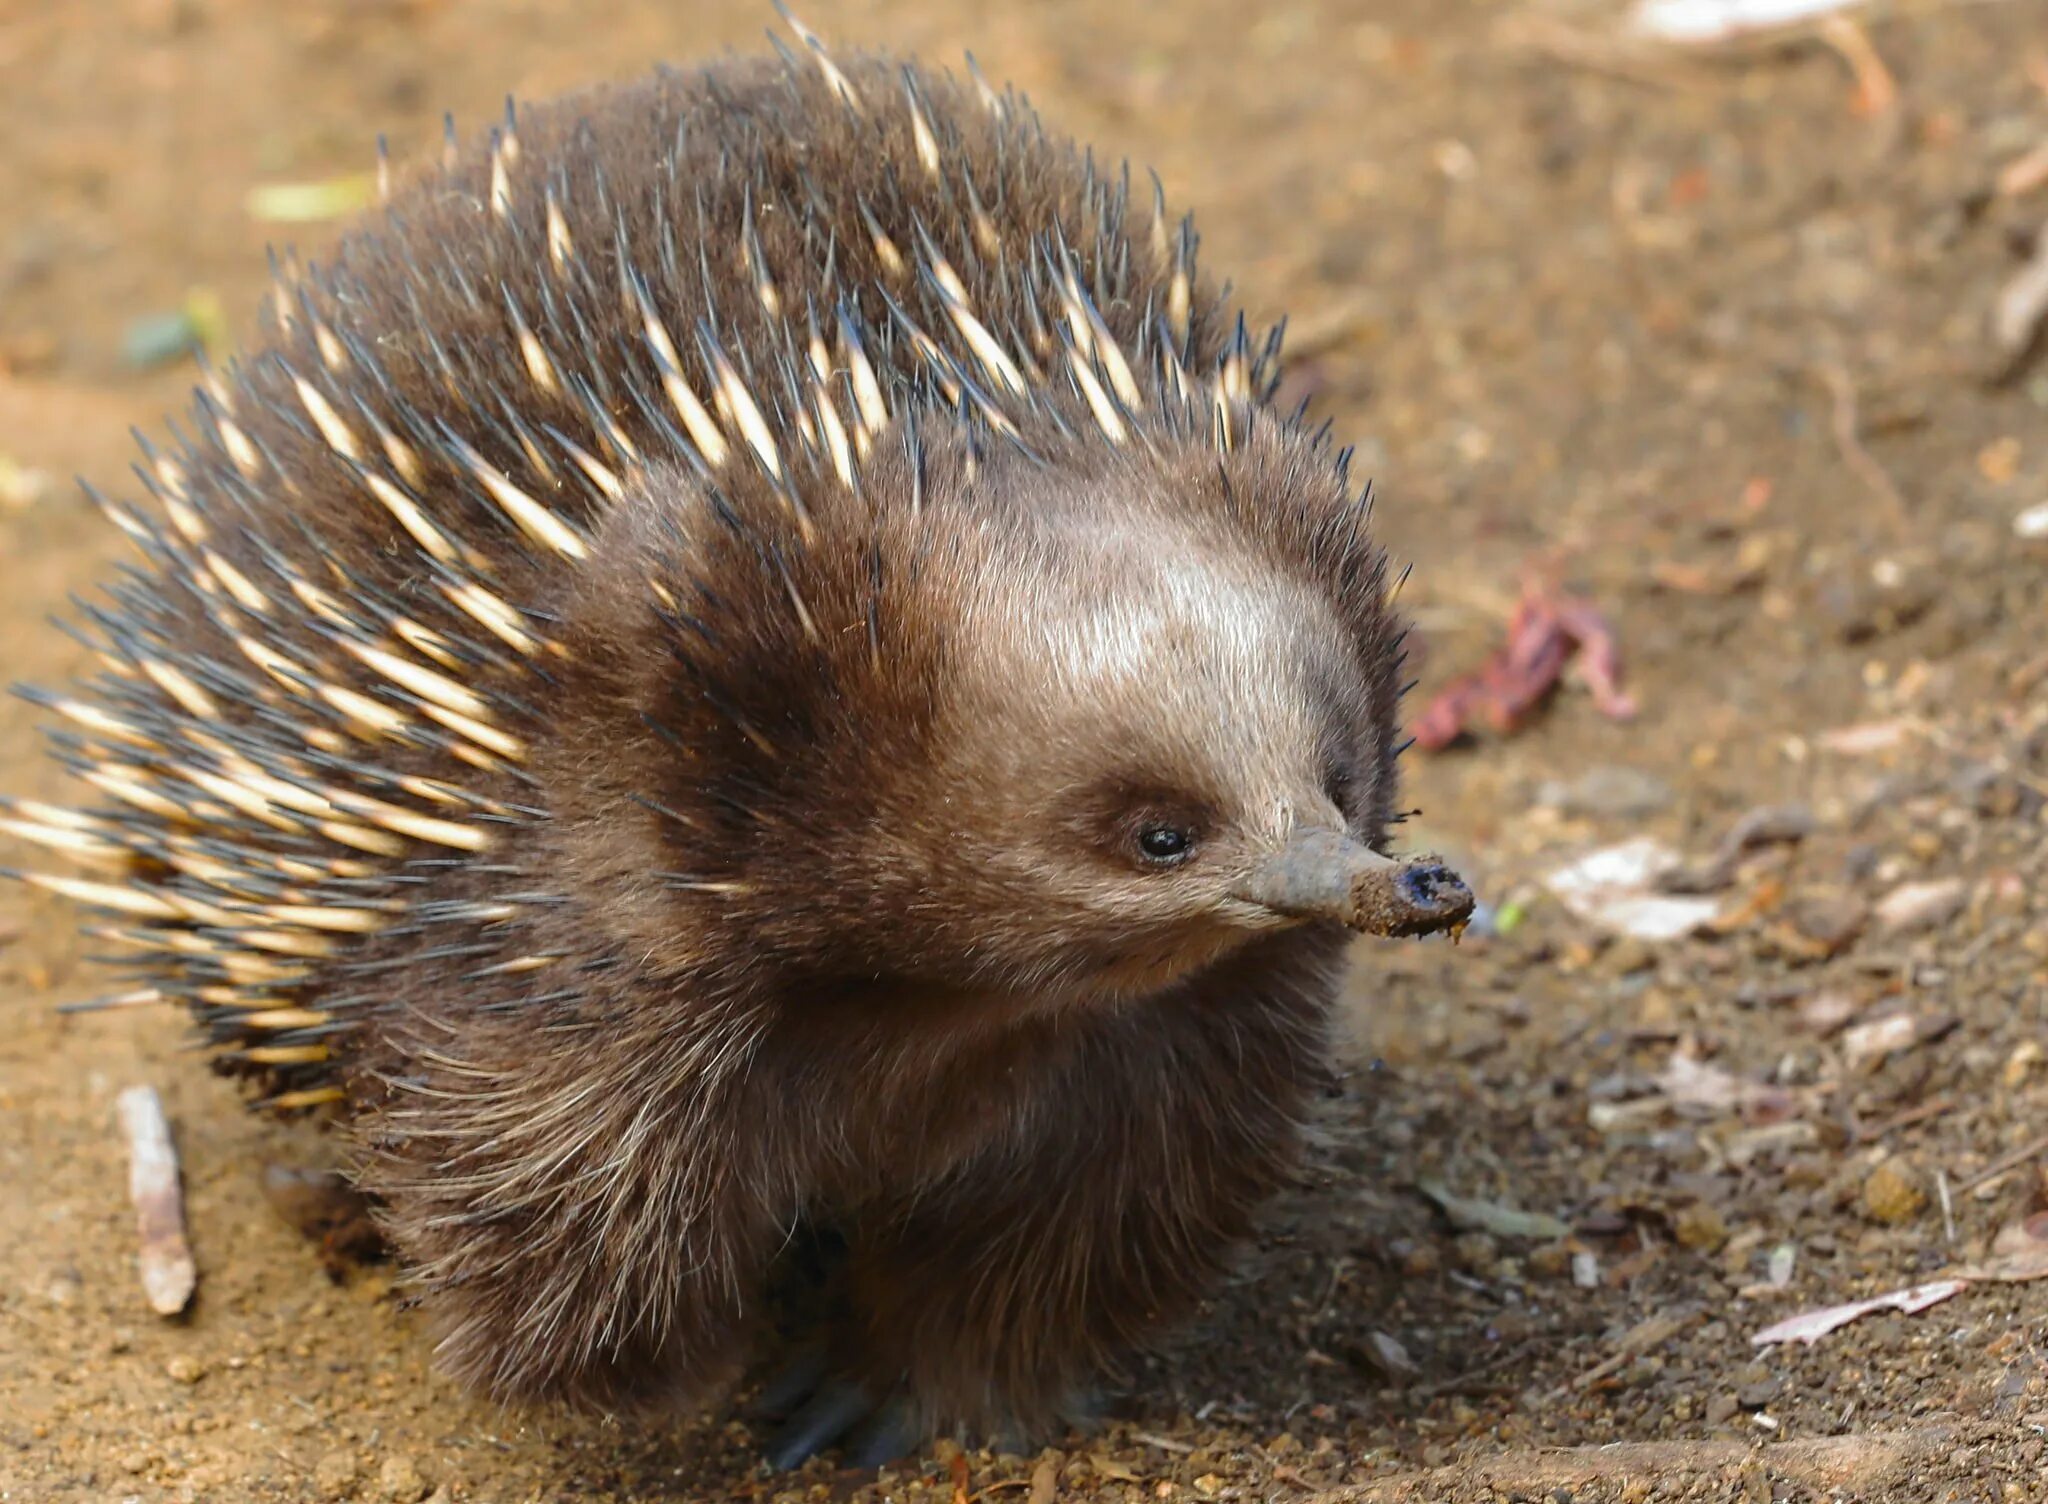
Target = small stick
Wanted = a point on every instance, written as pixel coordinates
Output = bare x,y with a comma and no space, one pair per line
1919,1113
2003,1164
154,1185
1876,90
1849,439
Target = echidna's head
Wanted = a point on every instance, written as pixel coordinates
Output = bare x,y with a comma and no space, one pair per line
1066,730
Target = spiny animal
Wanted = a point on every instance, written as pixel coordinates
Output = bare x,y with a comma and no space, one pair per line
750,657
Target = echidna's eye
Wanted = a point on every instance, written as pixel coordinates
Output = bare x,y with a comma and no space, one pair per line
1165,844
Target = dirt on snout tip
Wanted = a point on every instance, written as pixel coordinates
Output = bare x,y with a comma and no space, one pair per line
1730,346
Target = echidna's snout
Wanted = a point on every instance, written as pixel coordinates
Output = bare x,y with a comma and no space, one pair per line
1326,874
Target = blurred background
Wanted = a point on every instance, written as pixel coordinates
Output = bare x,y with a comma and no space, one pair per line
1694,348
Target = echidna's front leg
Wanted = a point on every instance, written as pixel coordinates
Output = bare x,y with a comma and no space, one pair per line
991,1298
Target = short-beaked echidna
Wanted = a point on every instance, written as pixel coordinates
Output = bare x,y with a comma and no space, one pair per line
748,655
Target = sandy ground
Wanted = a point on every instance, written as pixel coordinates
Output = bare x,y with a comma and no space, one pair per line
1700,341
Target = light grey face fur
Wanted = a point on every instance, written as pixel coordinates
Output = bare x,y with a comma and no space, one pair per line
1137,671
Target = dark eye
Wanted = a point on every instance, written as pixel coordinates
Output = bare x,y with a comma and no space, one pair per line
1165,844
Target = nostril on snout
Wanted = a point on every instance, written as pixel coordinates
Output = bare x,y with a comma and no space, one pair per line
1427,887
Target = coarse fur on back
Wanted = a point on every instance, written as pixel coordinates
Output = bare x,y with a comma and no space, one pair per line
719,670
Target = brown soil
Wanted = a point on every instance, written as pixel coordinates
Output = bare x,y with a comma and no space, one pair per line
1698,341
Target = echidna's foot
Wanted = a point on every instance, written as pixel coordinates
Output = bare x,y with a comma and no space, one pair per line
326,1209
823,1411
816,1409
1083,1413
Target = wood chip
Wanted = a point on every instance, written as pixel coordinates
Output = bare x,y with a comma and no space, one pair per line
155,1186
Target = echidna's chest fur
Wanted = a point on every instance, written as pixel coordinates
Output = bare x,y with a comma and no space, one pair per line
586,665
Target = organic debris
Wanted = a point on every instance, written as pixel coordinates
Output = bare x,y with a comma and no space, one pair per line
2018,1254
1738,27
197,326
1544,633
1781,824
169,1274
1870,737
1922,906
1714,22
1688,1081
310,203
2024,173
2018,313
1486,1216
1882,1037
1618,888
1811,1326
21,486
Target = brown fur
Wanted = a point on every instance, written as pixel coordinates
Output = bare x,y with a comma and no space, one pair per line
825,861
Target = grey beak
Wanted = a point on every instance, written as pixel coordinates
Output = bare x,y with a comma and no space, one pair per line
1324,874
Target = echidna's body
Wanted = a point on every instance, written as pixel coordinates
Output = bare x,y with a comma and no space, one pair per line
659,691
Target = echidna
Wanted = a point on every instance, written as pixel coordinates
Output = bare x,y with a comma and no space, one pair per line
750,656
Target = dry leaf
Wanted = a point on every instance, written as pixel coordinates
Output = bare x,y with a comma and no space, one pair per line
1616,888
1811,1326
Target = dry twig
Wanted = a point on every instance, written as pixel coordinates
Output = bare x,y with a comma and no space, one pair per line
2003,1165
168,1272
1849,439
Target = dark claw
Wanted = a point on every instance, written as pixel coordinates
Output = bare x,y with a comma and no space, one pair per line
1085,1411
886,1437
827,1417
798,1379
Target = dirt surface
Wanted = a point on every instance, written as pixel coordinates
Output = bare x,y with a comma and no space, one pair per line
1702,342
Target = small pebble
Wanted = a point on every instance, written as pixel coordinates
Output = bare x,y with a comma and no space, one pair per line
335,1474
1922,906
1477,1252
2025,1056
1827,923
1758,1395
186,1369
399,1480
1700,1227
63,1288
1891,1195
1416,1258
